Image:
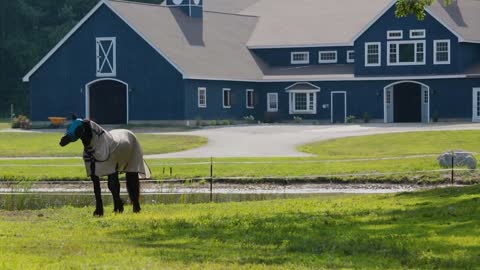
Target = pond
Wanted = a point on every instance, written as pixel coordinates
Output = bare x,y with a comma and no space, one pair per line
35,201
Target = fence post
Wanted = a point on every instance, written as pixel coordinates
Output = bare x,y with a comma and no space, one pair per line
453,164
211,179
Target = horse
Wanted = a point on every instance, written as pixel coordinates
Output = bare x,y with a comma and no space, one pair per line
108,154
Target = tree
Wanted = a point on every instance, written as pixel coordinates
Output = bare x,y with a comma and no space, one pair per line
415,7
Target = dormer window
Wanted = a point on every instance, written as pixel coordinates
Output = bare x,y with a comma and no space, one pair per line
441,52
327,57
373,54
418,33
299,58
395,34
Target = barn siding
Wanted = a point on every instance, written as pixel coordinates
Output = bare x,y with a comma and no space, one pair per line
58,87
282,57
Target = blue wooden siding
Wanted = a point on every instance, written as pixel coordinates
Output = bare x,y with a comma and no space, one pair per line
282,57
58,87
378,33
470,54
450,98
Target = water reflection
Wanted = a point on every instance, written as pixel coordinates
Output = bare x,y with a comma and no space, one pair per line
31,201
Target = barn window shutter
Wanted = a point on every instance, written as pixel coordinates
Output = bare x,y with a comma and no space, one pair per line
106,62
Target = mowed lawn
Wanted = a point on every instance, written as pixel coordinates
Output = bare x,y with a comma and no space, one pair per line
437,229
340,159
22,144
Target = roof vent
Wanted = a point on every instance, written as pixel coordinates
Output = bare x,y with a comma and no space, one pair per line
193,8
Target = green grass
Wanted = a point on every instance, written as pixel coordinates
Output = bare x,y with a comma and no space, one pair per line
393,145
46,144
437,229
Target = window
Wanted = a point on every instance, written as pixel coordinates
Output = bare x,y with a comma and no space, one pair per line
106,56
227,98
250,99
388,97
303,102
406,53
350,56
272,102
441,52
202,97
395,34
300,58
327,57
372,54
418,33
426,93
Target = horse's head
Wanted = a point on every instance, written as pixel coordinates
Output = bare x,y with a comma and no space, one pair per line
78,129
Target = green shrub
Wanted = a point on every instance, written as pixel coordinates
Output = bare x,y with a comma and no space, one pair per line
351,119
297,119
366,117
22,122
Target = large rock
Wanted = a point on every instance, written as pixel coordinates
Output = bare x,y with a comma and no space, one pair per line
460,159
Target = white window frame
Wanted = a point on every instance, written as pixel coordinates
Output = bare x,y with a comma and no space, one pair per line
331,61
200,90
252,97
379,45
299,62
435,61
397,43
392,34
350,60
228,106
269,96
292,101
423,33
100,51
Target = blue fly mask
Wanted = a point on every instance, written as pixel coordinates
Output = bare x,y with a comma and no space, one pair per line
72,128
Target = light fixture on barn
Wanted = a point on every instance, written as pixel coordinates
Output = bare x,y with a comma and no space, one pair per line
130,90
81,90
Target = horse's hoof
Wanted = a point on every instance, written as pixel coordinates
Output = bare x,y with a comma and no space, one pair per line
136,208
98,213
119,209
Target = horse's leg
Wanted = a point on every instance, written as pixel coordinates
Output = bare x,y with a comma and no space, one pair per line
98,196
133,187
114,187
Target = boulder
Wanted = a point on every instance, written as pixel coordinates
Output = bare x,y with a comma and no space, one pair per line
460,159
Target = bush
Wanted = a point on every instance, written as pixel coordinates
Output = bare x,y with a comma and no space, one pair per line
21,121
297,119
213,123
366,117
435,116
351,119
249,119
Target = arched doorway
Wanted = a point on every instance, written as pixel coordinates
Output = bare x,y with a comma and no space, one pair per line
407,102
107,101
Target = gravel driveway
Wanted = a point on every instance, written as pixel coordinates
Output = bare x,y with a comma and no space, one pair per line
282,140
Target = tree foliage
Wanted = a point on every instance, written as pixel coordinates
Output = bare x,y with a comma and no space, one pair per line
415,7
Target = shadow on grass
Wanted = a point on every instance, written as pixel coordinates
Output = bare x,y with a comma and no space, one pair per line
418,230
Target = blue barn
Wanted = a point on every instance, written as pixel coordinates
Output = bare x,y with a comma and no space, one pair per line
324,61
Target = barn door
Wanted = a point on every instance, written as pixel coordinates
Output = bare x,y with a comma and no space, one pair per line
106,57
476,105
388,104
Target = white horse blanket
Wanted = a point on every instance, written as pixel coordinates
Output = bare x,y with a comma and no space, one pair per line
115,151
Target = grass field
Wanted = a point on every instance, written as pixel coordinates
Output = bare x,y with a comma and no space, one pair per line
426,230
327,163
46,144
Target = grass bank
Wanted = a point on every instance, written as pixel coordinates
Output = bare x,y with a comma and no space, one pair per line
46,144
424,230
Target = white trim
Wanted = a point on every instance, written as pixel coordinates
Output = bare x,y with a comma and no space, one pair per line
26,78
406,81
100,50
298,62
393,32
87,95
268,102
350,60
423,33
329,61
299,46
397,43
373,21
204,90
331,104
301,79
435,61
229,99
253,98
379,44
460,38
475,91
307,83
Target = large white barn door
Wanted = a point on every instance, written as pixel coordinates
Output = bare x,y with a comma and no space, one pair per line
106,57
